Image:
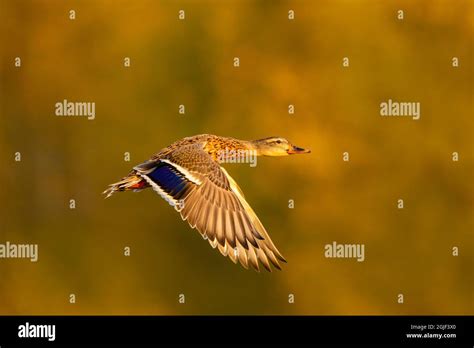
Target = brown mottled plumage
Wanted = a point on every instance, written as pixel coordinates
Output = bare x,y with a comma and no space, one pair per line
188,175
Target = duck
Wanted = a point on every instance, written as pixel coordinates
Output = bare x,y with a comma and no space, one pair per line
188,174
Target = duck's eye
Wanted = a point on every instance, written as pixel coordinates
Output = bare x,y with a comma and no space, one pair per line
278,141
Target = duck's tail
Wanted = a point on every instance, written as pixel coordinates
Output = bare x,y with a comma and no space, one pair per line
130,182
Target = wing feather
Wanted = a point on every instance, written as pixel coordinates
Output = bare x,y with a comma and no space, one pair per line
213,203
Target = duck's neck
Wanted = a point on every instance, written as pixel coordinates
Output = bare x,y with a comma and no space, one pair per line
229,149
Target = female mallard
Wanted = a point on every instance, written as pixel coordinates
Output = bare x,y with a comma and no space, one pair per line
188,176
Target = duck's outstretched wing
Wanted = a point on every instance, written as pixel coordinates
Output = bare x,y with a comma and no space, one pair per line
209,199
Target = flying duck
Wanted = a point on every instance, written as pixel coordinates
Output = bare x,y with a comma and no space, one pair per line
188,175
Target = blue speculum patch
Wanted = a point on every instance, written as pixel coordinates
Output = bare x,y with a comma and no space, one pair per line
169,179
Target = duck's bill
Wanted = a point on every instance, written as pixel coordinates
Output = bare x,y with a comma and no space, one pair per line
297,150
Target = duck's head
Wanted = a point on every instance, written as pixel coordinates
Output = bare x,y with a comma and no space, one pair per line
277,146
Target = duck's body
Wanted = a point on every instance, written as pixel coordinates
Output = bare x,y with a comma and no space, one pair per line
188,175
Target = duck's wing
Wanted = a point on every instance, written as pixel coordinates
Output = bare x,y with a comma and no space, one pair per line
211,201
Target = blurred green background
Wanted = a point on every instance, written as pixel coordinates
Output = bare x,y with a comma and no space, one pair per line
283,62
